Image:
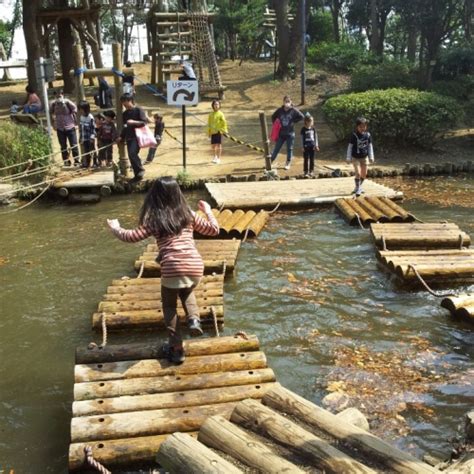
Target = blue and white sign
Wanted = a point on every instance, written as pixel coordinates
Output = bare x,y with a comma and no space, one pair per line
182,92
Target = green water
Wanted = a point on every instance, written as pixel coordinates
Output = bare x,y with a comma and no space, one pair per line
309,288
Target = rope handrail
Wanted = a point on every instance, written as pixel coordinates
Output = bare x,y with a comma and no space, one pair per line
214,317
89,459
28,203
428,289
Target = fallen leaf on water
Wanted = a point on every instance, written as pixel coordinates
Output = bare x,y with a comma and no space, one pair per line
3,260
291,278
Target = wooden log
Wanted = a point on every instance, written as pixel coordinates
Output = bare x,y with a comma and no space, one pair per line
254,415
466,312
394,262
105,191
452,303
120,320
143,296
436,270
170,383
258,223
362,213
115,452
242,223
207,396
389,213
376,214
346,210
83,198
230,223
419,241
407,217
144,423
224,216
437,253
63,192
417,226
219,433
139,351
288,402
137,284
159,367
182,453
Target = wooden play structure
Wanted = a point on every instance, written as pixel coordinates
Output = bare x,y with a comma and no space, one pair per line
183,35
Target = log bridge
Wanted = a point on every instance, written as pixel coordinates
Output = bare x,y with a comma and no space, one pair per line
461,306
128,402
371,209
216,255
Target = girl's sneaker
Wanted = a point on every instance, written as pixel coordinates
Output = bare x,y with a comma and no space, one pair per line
216,160
194,326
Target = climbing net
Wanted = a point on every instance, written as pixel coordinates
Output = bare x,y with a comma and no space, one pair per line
202,50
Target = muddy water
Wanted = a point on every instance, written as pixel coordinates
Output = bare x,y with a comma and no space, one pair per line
328,319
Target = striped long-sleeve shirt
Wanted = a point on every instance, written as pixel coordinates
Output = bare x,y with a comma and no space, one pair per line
178,255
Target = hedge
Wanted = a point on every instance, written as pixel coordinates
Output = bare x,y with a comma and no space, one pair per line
401,116
19,143
386,75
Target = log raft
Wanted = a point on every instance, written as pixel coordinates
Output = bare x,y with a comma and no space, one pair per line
438,266
136,304
372,209
216,255
461,306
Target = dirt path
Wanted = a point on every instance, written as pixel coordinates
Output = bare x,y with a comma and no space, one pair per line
251,88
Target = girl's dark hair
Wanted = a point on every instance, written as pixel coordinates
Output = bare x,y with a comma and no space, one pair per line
85,107
361,121
128,64
30,89
110,113
215,101
165,210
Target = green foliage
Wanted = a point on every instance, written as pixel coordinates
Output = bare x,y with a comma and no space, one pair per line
382,76
401,116
183,178
456,61
340,56
19,143
320,26
461,88
5,34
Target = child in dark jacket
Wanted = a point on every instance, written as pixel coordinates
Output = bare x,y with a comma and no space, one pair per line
107,134
310,145
159,129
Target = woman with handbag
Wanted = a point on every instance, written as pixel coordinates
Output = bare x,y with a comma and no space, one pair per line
134,118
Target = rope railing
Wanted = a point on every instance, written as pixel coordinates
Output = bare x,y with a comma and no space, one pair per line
89,459
427,288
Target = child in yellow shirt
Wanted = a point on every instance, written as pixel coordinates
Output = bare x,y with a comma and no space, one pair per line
216,126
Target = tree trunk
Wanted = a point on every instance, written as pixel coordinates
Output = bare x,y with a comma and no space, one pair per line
66,41
374,29
95,46
335,12
32,40
411,46
467,17
283,32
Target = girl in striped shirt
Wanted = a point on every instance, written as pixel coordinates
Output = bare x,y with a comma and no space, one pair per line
166,216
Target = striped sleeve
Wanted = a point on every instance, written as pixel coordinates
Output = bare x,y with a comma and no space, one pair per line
132,235
206,227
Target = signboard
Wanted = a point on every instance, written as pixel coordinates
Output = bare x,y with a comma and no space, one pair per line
182,92
48,69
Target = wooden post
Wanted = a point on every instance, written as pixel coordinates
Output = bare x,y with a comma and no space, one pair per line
117,62
79,64
266,142
182,453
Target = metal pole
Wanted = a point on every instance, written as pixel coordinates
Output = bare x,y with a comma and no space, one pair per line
275,56
303,50
265,141
44,87
183,115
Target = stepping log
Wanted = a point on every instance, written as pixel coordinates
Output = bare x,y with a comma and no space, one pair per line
182,453
288,402
254,415
461,306
139,351
221,434
170,383
419,236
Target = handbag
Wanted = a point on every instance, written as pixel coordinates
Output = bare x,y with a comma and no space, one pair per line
145,137
275,132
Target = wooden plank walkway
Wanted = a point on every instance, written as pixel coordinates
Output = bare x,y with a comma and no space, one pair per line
136,303
446,266
370,209
461,306
213,252
238,224
128,400
432,235
291,193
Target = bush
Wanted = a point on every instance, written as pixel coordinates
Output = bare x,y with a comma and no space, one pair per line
401,116
340,56
382,76
19,143
461,88
456,61
320,27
